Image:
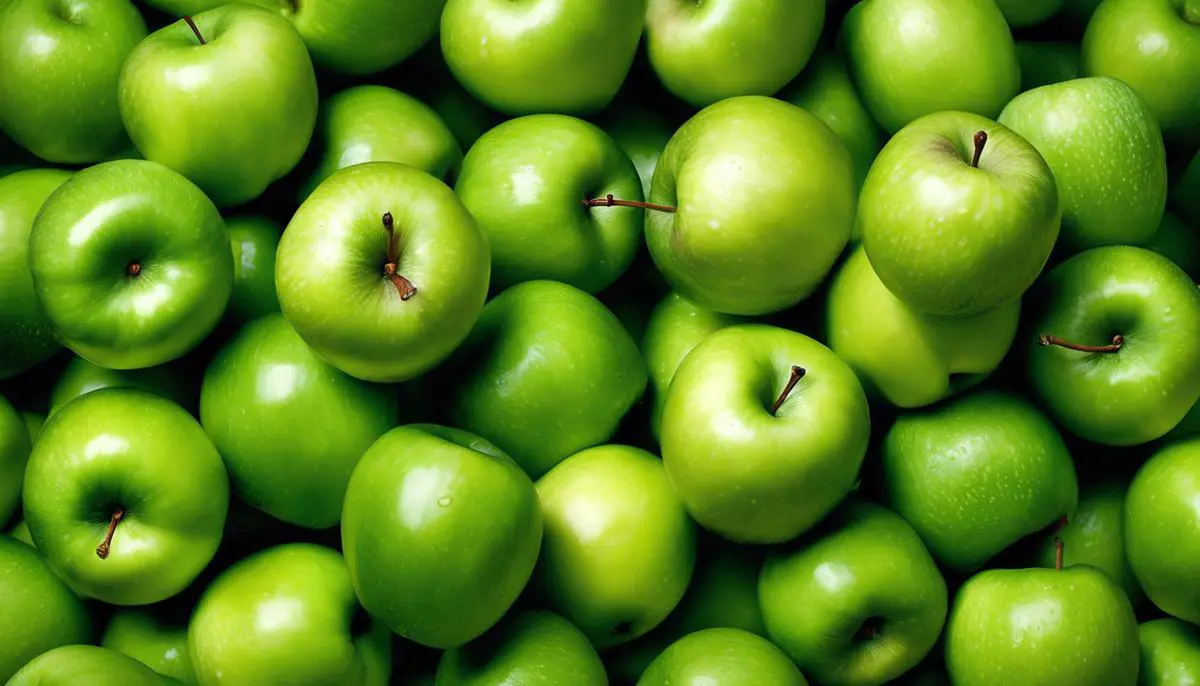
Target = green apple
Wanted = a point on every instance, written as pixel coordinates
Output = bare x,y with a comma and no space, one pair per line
723,657
33,424
289,426
910,58
1024,13
287,615
976,474
1097,133
254,241
1170,653
158,643
139,465
1185,196
1162,528
14,454
1046,62
59,65
20,531
81,377
642,133
1093,535
236,122
84,664
532,648
362,36
1154,46
763,432
39,612
748,180
26,335
858,605
547,372
131,264
958,214
906,357
1115,356
763,45
1190,424
380,124
569,57
619,547
429,512
382,271
1179,243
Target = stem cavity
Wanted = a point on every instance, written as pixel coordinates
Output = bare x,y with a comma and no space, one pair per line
195,29
106,544
1117,341
797,374
980,141
133,269
404,287
610,201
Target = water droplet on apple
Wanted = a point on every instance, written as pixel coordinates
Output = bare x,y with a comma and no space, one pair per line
444,501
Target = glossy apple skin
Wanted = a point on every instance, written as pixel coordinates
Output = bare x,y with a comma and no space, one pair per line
429,512
1162,528
235,123
747,475
85,664
329,271
729,657
642,133
1170,653
1005,622
107,217
1179,243
763,45
1140,392
287,615
289,426
1044,63
358,37
994,224
26,335
161,646
1097,133
39,611
525,181
962,58
133,450
531,648
908,358
619,547
752,178
59,65
15,445
565,56
81,377
976,474
254,241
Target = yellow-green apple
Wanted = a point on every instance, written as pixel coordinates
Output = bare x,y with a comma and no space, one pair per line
724,657
85,664
80,377
529,647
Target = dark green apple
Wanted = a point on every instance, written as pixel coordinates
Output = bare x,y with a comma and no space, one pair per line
642,133
1024,13
158,643
531,648
255,241
1185,196
81,377
20,531
15,445
33,424
723,657
84,664
1179,243
1046,62
1170,653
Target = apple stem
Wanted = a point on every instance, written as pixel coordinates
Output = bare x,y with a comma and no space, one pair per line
133,269
610,201
403,286
797,374
102,549
1058,553
195,29
1117,341
980,141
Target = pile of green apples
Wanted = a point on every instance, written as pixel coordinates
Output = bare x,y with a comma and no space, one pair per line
587,342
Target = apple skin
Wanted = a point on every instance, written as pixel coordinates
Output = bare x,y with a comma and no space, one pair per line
287,615
145,456
20,531
729,657
525,181
908,358
418,493
59,66
1140,392
85,664
33,424
1179,243
1170,653
1006,622
752,178
763,45
254,241
26,335
1025,13
237,122
962,58
1044,63
39,611
356,37
15,445
642,133
1097,133
81,377
564,56
289,426
995,224
105,219
1162,527
330,280
976,474
160,645
531,648
619,548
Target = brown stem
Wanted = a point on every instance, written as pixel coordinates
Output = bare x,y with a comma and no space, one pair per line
133,269
1058,553
404,287
102,549
195,29
797,374
1117,341
610,201
980,141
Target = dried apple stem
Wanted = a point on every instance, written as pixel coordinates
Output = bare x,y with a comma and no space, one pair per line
404,287
980,141
195,29
106,544
610,201
797,374
1117,341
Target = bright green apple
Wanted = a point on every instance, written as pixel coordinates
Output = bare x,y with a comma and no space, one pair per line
254,241
14,454
1097,133
1185,196
81,377
532,648
158,643
126,496
289,426
233,122
1047,62
723,657
910,58
958,214
59,65
976,474
642,133
26,335
382,271
85,664
1179,243
131,264
1114,353
1170,653
361,36
909,358
287,615
619,548
1024,13
750,179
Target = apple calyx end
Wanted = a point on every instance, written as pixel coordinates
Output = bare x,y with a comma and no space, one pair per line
610,201
797,373
105,546
404,287
133,269
1046,340
980,140
195,29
